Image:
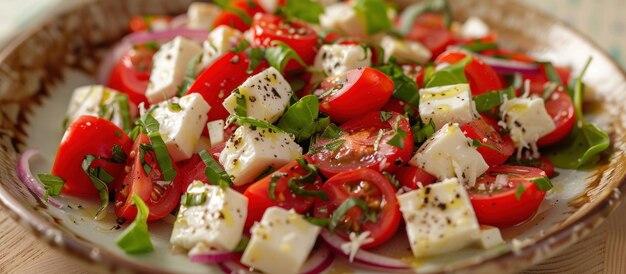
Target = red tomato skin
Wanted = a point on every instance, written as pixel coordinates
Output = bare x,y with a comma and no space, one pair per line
483,128
503,209
401,106
481,77
227,18
389,217
412,177
561,108
88,135
259,199
429,29
218,80
193,168
365,90
127,78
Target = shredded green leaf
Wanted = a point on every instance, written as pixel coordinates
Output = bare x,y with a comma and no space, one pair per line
280,54
300,118
487,101
52,184
239,120
243,243
214,172
422,131
226,6
398,139
256,56
241,108
374,13
272,187
122,104
160,150
404,87
100,179
519,191
119,156
477,143
479,46
332,132
411,13
450,75
321,222
345,207
385,115
305,10
543,183
136,239
193,199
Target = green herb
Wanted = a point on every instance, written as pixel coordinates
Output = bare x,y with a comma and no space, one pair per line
385,115
52,184
143,150
190,75
332,132
305,10
487,101
243,243
300,118
273,181
256,56
379,137
392,179
520,190
551,73
321,222
100,179
479,46
241,108
160,150
239,120
334,145
543,183
174,107
411,14
280,54
422,131
476,143
404,87
375,14
297,184
398,139
226,6
136,239
193,199
243,45
214,172
345,207
122,104
119,156
450,75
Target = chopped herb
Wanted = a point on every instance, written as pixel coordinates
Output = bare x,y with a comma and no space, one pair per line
334,145
345,207
143,150
476,143
241,108
273,181
305,10
404,87
243,243
174,107
136,239
256,56
422,131
243,45
100,179
240,120
398,139
392,179
385,115
543,183
52,184
193,199
280,54
160,150
122,104
487,101
300,118
321,222
551,73
450,75
375,14
479,46
214,172
520,190
332,132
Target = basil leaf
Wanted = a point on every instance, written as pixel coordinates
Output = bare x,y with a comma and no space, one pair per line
160,150
392,179
551,73
273,181
520,190
193,199
119,156
136,239
334,145
226,6
190,75
422,131
450,75
344,208
239,120
300,118
404,87
100,179
243,243
241,108
487,101
52,184
476,143
398,139
122,104
213,171
280,54
256,56
375,14
305,10
332,132
385,115
543,183
321,222
479,46
411,13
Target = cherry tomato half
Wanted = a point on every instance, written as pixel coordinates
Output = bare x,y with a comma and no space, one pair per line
413,177
501,207
354,93
131,74
193,168
365,142
232,19
430,30
497,148
481,77
89,135
561,108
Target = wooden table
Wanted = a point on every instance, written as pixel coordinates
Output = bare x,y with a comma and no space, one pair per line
602,252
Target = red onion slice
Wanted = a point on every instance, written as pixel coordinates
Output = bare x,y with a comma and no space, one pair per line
213,256
502,66
26,176
318,261
363,256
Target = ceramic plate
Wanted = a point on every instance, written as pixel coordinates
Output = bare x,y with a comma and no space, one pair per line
40,68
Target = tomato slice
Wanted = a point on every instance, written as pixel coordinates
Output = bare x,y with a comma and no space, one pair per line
89,135
161,198
481,77
131,74
231,19
218,80
501,207
354,93
300,37
259,193
561,108
193,168
365,142
497,148
430,30
376,191
414,177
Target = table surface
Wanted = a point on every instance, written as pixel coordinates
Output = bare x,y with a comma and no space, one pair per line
602,252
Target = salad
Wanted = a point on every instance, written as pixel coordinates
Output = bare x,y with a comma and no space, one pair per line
280,134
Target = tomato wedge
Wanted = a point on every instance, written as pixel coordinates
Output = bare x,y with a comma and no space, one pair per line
354,93
413,177
218,80
365,142
496,149
89,135
377,193
193,168
481,77
501,207
131,73
430,30
161,198
232,19
561,108
259,198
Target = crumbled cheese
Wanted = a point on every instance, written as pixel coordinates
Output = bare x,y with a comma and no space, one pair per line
355,243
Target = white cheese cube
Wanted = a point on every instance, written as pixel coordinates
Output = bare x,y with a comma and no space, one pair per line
170,64
281,242
405,51
527,121
216,131
221,40
202,15
490,236
214,217
474,28
447,104
181,122
269,6
449,154
335,59
267,95
251,150
100,101
343,18
439,218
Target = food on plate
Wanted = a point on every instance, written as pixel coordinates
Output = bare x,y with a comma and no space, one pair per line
300,130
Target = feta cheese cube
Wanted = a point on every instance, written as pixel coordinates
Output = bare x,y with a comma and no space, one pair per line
214,217
405,51
439,218
447,104
216,132
251,150
490,236
100,101
336,59
221,40
527,121
343,18
170,64
281,242
474,28
202,15
449,154
181,127
267,95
